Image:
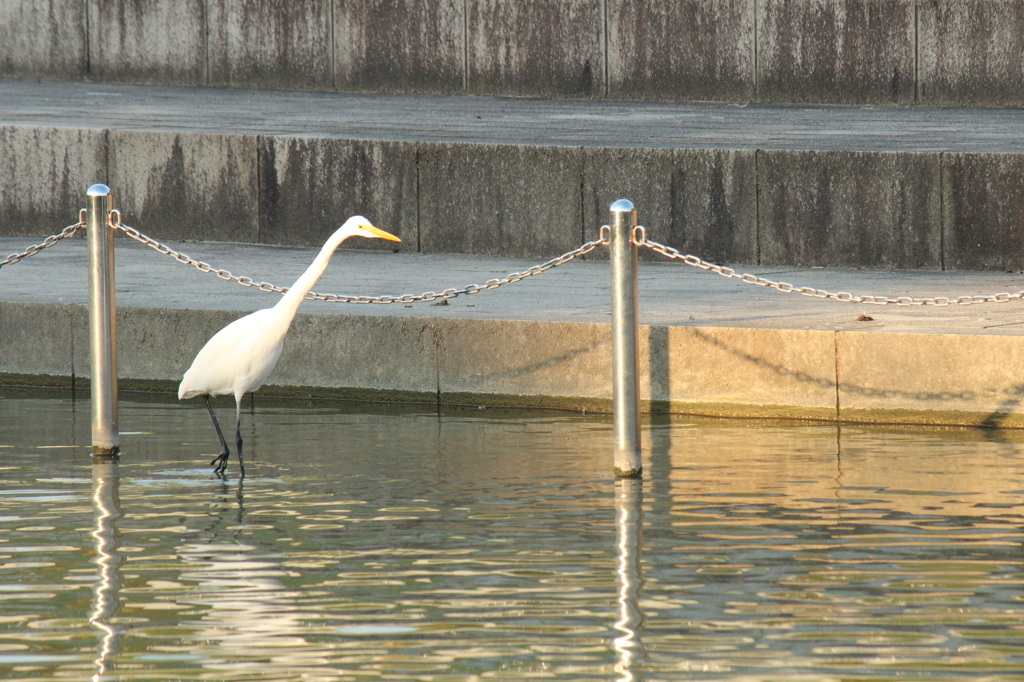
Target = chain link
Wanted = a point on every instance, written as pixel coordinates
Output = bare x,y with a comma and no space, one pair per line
68,231
640,238
345,298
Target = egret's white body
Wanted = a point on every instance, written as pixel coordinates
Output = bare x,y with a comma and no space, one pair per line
240,357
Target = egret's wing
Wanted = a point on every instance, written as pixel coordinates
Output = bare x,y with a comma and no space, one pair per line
235,357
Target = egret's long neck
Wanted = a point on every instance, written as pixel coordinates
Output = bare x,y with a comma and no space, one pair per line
289,303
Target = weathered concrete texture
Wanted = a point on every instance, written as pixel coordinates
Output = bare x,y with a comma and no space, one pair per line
537,49
43,39
971,52
688,50
714,204
361,355
309,186
983,201
836,51
421,50
695,200
851,209
521,362
270,44
931,378
39,339
643,175
44,173
500,200
748,372
193,187
148,41
831,51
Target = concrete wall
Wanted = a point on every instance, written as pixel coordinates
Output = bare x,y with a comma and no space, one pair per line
44,173
968,52
873,376
955,211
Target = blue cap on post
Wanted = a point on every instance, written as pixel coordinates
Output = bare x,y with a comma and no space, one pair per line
622,206
98,190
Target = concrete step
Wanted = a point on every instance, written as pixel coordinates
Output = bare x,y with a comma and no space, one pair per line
774,185
709,345
963,52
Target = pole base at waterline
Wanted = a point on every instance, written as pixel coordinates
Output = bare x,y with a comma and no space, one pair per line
627,461
99,452
628,471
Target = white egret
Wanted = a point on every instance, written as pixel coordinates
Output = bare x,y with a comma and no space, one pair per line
238,358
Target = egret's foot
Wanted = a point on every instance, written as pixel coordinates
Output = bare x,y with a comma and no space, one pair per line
220,462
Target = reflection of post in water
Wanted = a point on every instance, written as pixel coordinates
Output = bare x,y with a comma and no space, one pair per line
106,597
629,519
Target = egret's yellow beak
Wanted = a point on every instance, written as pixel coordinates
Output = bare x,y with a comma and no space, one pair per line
377,232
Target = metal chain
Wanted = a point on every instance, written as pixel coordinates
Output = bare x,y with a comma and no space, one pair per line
344,298
640,238
469,288
46,243
187,260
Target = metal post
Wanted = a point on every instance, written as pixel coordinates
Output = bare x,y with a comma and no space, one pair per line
102,329
625,327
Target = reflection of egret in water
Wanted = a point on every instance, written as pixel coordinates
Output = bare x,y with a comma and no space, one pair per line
245,602
106,600
629,518
839,459
250,620
220,513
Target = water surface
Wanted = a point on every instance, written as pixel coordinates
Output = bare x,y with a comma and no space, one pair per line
399,543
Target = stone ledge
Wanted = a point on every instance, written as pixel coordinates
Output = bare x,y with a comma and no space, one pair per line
883,377
896,210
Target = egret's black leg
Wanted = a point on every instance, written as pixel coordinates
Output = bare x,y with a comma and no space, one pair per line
220,462
238,435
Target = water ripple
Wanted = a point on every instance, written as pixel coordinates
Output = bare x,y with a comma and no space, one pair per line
396,543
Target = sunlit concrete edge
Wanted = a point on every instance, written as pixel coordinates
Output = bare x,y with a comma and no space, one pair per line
919,378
